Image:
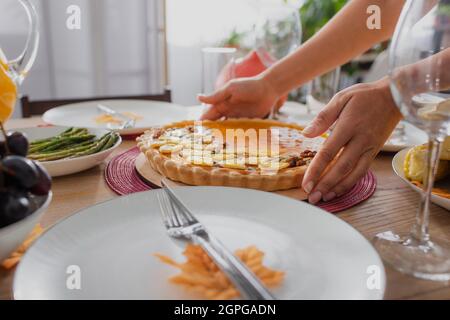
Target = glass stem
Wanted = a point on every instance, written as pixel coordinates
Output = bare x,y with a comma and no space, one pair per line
273,113
419,232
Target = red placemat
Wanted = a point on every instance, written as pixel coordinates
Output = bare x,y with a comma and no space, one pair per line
122,178
121,175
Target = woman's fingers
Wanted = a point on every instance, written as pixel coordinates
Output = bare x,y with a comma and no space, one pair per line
339,138
323,121
217,97
212,113
357,173
355,151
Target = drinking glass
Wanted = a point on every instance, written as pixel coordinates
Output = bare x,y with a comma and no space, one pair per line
277,34
13,72
420,79
217,68
322,89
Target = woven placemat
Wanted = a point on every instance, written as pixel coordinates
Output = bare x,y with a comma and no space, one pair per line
122,177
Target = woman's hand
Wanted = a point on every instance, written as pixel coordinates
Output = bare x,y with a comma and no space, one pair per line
245,97
365,116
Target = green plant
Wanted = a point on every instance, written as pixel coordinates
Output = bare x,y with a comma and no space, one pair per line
315,14
234,39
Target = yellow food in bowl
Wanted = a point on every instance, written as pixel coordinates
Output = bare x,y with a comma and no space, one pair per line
445,152
416,162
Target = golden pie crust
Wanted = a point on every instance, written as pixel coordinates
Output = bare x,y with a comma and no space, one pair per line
170,150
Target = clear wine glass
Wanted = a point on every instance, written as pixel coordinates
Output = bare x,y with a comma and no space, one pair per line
420,80
218,63
277,34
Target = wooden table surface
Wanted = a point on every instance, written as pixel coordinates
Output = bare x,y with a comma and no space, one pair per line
392,206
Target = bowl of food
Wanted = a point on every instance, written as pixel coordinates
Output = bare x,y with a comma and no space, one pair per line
24,192
14,234
63,151
410,165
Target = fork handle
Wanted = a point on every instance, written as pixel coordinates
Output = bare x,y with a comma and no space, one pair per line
239,274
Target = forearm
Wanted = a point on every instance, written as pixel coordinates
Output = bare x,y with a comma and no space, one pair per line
343,38
417,75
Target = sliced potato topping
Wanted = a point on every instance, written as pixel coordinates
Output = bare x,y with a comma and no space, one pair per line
199,146
170,148
202,161
236,163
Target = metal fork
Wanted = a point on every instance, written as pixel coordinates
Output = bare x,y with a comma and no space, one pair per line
182,225
127,122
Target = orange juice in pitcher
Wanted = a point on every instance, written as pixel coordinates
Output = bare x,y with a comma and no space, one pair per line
8,90
13,72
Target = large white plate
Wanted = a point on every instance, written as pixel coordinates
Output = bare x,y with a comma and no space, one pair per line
68,166
83,114
297,112
413,137
397,165
112,243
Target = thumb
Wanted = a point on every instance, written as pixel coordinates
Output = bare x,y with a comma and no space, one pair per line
325,119
212,114
216,97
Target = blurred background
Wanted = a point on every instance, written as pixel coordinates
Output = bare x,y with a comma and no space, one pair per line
138,47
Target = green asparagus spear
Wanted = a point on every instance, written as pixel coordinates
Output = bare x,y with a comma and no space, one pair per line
76,146
96,148
72,143
66,133
112,141
57,142
60,154
68,141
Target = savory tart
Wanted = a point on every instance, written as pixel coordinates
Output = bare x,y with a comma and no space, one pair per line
250,153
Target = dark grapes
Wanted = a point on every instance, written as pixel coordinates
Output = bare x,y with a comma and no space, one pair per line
20,172
17,143
2,149
20,179
44,183
13,207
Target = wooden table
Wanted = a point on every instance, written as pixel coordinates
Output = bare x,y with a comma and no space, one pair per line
392,206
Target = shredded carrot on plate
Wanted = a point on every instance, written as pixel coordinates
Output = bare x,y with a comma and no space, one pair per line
436,191
200,274
107,118
15,257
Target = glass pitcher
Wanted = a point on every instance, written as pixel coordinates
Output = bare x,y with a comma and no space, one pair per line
13,72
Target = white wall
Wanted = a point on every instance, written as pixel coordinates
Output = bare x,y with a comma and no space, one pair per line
119,49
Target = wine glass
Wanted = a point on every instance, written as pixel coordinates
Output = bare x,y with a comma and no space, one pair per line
218,65
322,89
420,80
277,34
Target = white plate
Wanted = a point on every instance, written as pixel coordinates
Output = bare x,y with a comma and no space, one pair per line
290,112
68,166
397,165
296,112
112,243
83,114
413,137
